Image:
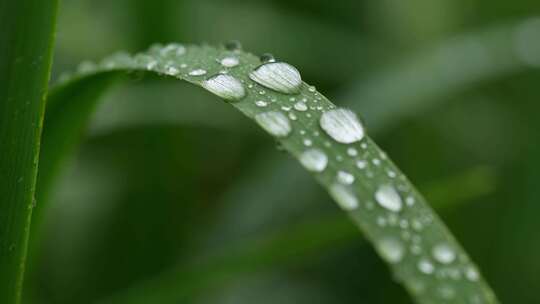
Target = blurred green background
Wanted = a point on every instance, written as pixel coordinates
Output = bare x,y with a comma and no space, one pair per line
175,198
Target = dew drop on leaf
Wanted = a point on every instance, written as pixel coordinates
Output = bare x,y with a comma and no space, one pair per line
230,62
345,177
443,253
225,86
391,250
314,160
388,198
342,125
197,72
344,196
275,123
279,76
425,266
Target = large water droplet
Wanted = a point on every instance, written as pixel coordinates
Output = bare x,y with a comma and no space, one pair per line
225,86
278,76
342,125
344,196
443,253
275,123
314,160
391,250
388,198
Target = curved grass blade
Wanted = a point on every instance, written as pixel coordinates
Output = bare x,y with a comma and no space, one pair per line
331,143
26,43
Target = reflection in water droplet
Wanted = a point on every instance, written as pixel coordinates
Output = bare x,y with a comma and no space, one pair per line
278,76
225,86
342,125
344,196
388,198
314,160
275,123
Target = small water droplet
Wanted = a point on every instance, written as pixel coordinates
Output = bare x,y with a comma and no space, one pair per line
233,45
391,250
261,103
443,253
307,142
344,196
275,123
314,160
197,72
345,177
388,198
472,274
225,86
300,106
278,76
352,152
230,61
425,266
267,57
172,71
342,125
312,89
361,164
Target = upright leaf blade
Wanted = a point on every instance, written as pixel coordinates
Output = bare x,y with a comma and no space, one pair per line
26,45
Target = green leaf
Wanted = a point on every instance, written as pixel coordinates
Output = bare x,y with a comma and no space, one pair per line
25,58
330,143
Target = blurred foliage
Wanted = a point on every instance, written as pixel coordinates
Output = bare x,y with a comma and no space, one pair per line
148,199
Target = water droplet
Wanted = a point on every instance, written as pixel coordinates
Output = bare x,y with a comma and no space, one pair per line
344,196
300,106
292,116
261,103
275,123
443,254
342,125
307,142
229,62
233,45
472,274
314,160
172,71
267,57
388,198
409,200
391,250
425,266
352,152
278,76
312,89
361,164
225,86
345,177
197,72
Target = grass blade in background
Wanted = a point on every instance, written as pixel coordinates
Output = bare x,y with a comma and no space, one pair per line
26,44
423,255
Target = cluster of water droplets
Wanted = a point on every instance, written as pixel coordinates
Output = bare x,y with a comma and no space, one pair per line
337,150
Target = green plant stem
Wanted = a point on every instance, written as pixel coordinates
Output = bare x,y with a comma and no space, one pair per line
26,46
